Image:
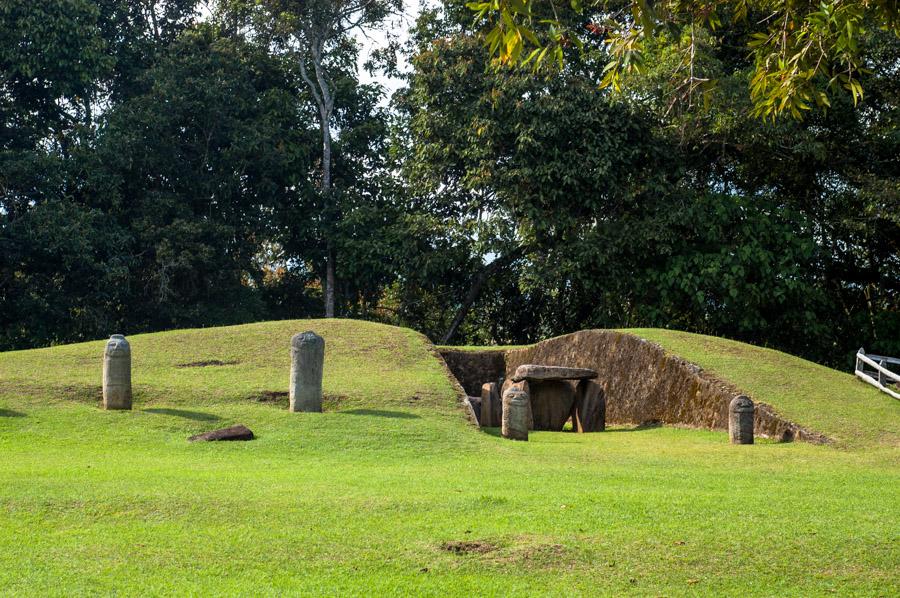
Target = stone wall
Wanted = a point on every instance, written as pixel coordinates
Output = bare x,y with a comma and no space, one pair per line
645,384
474,368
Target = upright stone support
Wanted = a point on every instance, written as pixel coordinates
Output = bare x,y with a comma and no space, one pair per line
490,405
307,362
117,373
740,420
589,412
515,414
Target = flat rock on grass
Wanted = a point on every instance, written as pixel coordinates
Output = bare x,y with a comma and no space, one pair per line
238,432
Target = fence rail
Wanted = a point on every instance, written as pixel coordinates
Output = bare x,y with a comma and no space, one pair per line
877,375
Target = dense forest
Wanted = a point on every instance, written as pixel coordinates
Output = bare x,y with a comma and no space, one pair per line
172,163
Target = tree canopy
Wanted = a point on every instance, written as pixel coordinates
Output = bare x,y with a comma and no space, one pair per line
801,53
163,166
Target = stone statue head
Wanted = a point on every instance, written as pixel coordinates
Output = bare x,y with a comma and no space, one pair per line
117,345
741,404
306,338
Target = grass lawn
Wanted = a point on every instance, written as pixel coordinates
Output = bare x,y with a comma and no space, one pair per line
391,491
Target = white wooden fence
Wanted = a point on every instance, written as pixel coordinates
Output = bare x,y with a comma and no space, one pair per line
877,373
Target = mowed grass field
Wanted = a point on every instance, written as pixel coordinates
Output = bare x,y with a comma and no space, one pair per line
392,492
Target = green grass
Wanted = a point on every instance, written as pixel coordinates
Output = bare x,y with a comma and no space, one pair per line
360,499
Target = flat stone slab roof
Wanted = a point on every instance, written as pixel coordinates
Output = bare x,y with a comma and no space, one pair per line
537,373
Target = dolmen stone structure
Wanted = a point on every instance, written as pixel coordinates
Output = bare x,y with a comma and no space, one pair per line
491,408
552,395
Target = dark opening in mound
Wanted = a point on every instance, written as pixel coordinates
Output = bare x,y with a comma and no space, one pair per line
207,363
467,547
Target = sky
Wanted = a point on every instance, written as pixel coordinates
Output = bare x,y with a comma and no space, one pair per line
373,39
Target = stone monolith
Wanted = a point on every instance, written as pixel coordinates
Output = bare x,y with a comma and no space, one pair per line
490,396
307,362
515,414
740,420
117,373
589,413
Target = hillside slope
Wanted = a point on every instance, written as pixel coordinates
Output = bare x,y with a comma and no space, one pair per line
391,492
828,401
366,364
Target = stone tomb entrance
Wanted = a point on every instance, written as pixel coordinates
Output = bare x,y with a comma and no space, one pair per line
555,395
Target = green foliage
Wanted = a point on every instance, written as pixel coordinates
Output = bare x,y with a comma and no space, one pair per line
159,172
49,254
635,211
178,162
195,167
802,52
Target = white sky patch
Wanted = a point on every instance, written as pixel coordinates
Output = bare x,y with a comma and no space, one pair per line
398,27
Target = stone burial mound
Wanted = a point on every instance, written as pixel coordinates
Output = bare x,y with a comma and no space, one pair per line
638,381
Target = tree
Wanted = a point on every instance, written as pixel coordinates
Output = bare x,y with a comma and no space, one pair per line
519,164
64,263
195,168
638,213
315,34
802,52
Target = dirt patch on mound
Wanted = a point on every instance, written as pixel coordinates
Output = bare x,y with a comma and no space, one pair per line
333,402
468,547
205,364
89,395
280,398
269,396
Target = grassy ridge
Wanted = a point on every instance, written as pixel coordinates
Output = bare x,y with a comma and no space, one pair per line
820,398
362,499
366,364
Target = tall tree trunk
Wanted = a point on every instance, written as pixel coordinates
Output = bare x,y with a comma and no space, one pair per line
329,283
478,283
324,97
329,247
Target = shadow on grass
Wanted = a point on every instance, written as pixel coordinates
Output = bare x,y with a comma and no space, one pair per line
638,428
381,413
497,431
193,415
11,413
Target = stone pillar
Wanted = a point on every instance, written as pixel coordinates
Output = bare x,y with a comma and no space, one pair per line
589,412
524,387
490,403
117,373
307,361
515,414
740,420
